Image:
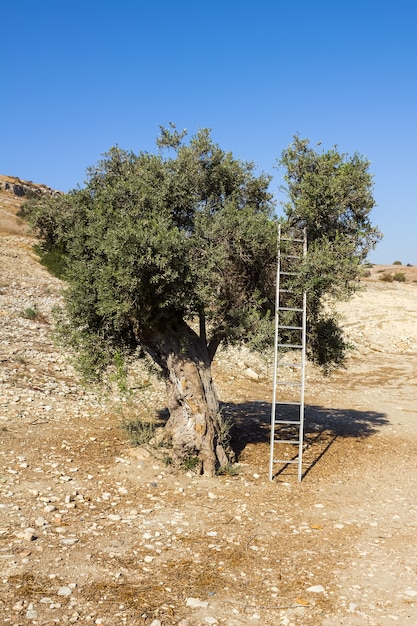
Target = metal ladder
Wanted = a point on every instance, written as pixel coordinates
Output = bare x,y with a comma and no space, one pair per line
287,413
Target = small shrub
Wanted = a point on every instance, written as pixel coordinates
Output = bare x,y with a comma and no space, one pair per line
386,278
190,463
410,265
30,313
397,263
139,431
399,277
228,470
225,431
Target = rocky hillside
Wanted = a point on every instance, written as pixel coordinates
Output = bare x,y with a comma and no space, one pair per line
13,192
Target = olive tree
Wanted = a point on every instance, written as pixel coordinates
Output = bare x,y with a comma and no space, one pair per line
169,253
174,253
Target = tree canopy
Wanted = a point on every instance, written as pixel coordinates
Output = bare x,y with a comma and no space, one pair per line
175,252
329,194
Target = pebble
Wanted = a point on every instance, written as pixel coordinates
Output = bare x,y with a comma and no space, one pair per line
195,603
64,591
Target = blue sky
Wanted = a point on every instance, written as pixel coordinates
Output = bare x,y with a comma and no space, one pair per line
78,77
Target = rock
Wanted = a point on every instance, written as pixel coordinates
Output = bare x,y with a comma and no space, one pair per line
64,591
250,373
195,603
316,589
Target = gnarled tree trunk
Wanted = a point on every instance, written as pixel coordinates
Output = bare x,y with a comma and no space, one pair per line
195,424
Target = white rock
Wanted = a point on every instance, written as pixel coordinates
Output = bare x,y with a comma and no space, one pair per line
195,603
250,373
64,591
149,559
316,589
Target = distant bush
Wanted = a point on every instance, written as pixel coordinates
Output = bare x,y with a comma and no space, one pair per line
397,263
399,277
30,313
386,278
409,265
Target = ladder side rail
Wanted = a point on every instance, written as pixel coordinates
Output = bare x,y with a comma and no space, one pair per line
303,357
276,339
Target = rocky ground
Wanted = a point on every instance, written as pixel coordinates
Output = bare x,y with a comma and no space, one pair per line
95,531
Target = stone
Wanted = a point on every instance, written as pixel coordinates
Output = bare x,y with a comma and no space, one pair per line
64,591
195,603
316,589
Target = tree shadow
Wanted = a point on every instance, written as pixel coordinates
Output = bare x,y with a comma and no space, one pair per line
322,426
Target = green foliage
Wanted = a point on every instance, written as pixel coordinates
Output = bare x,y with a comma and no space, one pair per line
191,463
397,263
139,431
30,313
228,470
386,278
330,196
53,259
154,241
399,277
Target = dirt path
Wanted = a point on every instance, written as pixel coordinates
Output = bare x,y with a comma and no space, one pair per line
93,531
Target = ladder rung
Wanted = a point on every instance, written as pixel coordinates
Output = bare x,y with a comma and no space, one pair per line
289,384
291,327
291,256
285,461
289,345
289,273
287,422
283,238
283,403
289,365
293,442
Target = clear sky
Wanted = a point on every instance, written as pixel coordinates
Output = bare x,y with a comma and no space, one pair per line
80,76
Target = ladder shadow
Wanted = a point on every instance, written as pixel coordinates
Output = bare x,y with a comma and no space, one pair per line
322,427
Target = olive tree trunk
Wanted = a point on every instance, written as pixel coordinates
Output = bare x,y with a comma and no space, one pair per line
195,424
